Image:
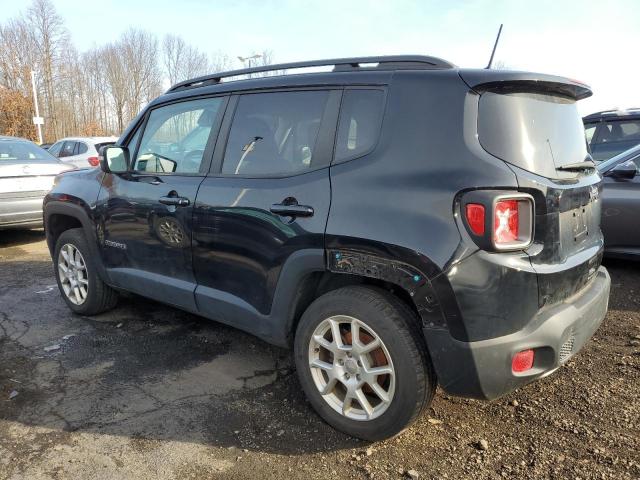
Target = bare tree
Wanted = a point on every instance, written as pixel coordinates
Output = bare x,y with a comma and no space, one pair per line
94,92
49,36
220,62
139,50
116,80
17,55
265,59
183,61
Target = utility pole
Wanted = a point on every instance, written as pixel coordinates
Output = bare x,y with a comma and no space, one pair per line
37,120
247,60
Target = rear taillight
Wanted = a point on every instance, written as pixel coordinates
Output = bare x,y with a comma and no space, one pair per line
505,221
499,221
512,222
475,217
93,161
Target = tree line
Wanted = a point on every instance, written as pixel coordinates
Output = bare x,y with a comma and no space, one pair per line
91,93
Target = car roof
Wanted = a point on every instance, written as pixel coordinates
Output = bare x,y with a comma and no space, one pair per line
356,71
614,114
89,139
9,138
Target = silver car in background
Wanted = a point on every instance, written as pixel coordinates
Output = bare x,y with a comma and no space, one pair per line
82,152
26,175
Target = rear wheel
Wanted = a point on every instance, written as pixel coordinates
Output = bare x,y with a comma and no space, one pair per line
362,362
79,283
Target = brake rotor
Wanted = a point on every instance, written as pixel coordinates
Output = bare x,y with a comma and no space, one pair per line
378,357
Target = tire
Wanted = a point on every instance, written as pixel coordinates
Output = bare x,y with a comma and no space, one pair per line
96,296
375,313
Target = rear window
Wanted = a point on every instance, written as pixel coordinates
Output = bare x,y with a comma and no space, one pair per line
80,148
24,152
536,132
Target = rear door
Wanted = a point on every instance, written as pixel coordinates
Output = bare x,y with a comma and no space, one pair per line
146,213
80,155
266,200
621,204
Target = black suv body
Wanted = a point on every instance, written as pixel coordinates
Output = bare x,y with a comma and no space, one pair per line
399,221
612,132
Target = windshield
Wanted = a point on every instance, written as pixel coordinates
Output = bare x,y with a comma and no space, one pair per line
533,131
22,151
626,155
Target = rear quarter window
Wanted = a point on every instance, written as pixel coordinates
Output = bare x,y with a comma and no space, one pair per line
359,125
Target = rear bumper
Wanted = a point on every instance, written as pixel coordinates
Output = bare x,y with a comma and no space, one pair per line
21,211
482,369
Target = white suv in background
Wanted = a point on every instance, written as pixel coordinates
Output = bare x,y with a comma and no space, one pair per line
82,152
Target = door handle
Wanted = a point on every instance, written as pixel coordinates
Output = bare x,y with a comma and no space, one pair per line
175,201
290,208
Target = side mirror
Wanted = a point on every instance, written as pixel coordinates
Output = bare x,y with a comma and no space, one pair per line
114,159
626,171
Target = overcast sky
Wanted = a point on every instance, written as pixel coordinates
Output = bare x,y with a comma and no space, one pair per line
593,41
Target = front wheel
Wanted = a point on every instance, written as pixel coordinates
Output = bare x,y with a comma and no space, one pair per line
362,362
80,285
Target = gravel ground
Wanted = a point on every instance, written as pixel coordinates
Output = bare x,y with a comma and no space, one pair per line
148,392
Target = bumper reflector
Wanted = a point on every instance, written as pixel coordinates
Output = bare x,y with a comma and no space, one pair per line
522,361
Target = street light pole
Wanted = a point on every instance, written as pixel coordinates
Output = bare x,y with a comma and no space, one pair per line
36,119
247,60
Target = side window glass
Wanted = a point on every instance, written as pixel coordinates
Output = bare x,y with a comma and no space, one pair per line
589,130
359,125
175,137
55,149
133,141
630,131
274,133
67,149
82,148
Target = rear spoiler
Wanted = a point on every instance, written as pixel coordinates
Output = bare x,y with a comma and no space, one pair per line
512,82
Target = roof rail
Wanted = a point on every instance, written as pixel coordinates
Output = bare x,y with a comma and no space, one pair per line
392,62
614,111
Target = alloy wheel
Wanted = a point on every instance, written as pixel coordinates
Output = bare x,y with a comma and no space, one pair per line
72,271
352,368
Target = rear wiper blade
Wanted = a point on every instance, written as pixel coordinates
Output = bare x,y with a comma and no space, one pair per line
576,167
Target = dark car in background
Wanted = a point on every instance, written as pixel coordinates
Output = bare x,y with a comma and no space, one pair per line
612,132
621,204
27,173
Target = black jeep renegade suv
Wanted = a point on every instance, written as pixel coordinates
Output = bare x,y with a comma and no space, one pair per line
400,222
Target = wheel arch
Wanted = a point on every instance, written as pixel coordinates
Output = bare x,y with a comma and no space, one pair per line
61,216
345,267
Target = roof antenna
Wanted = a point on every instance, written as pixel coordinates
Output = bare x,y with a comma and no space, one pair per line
493,52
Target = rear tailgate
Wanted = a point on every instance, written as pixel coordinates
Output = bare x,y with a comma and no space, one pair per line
531,122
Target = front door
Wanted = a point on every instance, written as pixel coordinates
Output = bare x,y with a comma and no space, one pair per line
265,201
145,224
621,198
